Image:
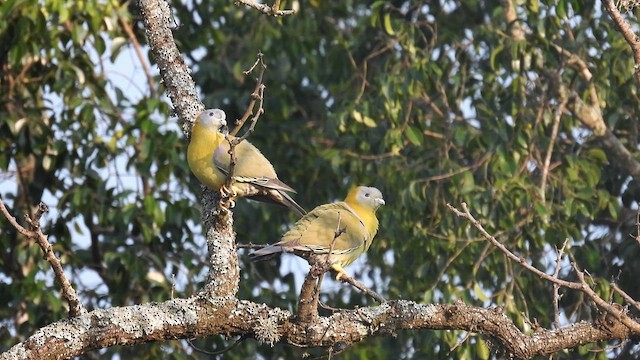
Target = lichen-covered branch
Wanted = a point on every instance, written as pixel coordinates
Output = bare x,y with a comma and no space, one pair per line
224,272
201,317
175,73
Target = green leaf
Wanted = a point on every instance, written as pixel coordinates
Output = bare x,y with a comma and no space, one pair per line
414,135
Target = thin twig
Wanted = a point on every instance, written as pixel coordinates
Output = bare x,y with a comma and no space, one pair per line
136,45
68,292
614,309
217,352
461,170
467,215
625,296
554,134
256,96
251,246
638,227
460,342
362,287
556,287
266,9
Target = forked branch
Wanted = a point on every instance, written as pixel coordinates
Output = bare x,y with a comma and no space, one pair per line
68,292
614,309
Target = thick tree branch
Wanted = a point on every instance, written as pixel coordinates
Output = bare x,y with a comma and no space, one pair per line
199,317
175,73
224,272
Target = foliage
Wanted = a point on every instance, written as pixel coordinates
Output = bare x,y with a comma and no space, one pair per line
432,102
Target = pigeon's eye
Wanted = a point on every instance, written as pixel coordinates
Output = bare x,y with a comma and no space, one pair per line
366,195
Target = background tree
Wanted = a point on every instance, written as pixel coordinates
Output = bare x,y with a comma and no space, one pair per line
523,110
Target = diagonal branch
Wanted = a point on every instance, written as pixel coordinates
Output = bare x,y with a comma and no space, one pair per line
362,287
126,25
581,285
68,292
627,32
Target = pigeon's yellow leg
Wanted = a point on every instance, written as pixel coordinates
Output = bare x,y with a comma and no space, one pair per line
341,272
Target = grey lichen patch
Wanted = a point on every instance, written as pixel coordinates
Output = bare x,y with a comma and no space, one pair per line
182,312
66,329
18,352
142,320
279,313
224,272
266,330
218,302
247,308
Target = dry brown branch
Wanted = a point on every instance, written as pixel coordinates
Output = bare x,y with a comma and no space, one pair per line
307,305
625,296
266,9
141,57
327,259
257,97
581,286
362,287
252,246
67,290
638,227
461,170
